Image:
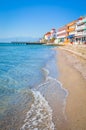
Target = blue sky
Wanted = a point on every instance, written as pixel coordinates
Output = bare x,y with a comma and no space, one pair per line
33,18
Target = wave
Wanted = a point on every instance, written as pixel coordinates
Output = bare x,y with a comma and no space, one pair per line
53,91
39,116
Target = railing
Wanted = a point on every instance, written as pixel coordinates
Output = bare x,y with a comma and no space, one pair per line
60,32
81,27
80,33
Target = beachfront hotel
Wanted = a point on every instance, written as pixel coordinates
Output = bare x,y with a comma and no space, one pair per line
80,33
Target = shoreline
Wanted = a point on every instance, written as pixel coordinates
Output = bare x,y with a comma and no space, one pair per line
75,83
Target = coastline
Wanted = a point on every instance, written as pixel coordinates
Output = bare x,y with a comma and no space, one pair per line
74,81
71,117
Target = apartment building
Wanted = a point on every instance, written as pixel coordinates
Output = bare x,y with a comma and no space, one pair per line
71,27
80,34
62,34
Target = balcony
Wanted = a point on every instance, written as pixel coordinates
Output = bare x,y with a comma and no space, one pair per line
83,33
81,21
81,27
79,34
61,32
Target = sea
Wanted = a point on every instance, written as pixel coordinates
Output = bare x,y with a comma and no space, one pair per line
27,74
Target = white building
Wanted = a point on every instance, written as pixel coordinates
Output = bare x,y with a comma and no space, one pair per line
61,34
53,33
47,36
80,33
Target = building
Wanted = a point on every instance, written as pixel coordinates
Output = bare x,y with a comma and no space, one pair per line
47,36
80,34
71,27
73,32
61,34
53,33
50,36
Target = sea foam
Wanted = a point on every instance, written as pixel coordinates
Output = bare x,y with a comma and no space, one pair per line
40,115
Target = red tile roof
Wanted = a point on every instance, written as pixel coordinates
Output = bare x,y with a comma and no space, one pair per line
48,33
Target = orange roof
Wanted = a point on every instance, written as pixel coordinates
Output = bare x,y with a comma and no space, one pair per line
48,33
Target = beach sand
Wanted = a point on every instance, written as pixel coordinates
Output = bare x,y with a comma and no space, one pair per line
72,70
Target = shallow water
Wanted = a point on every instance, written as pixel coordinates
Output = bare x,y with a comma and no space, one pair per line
27,75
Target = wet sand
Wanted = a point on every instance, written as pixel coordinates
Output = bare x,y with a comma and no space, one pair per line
73,77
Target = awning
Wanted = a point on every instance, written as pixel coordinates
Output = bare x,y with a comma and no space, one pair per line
70,36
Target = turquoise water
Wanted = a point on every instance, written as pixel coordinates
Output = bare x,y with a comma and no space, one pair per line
23,68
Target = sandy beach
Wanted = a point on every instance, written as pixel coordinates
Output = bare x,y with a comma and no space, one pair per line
72,69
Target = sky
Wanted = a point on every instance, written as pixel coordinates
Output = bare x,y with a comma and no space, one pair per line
33,18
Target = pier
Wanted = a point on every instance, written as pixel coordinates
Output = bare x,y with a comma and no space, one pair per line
28,43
